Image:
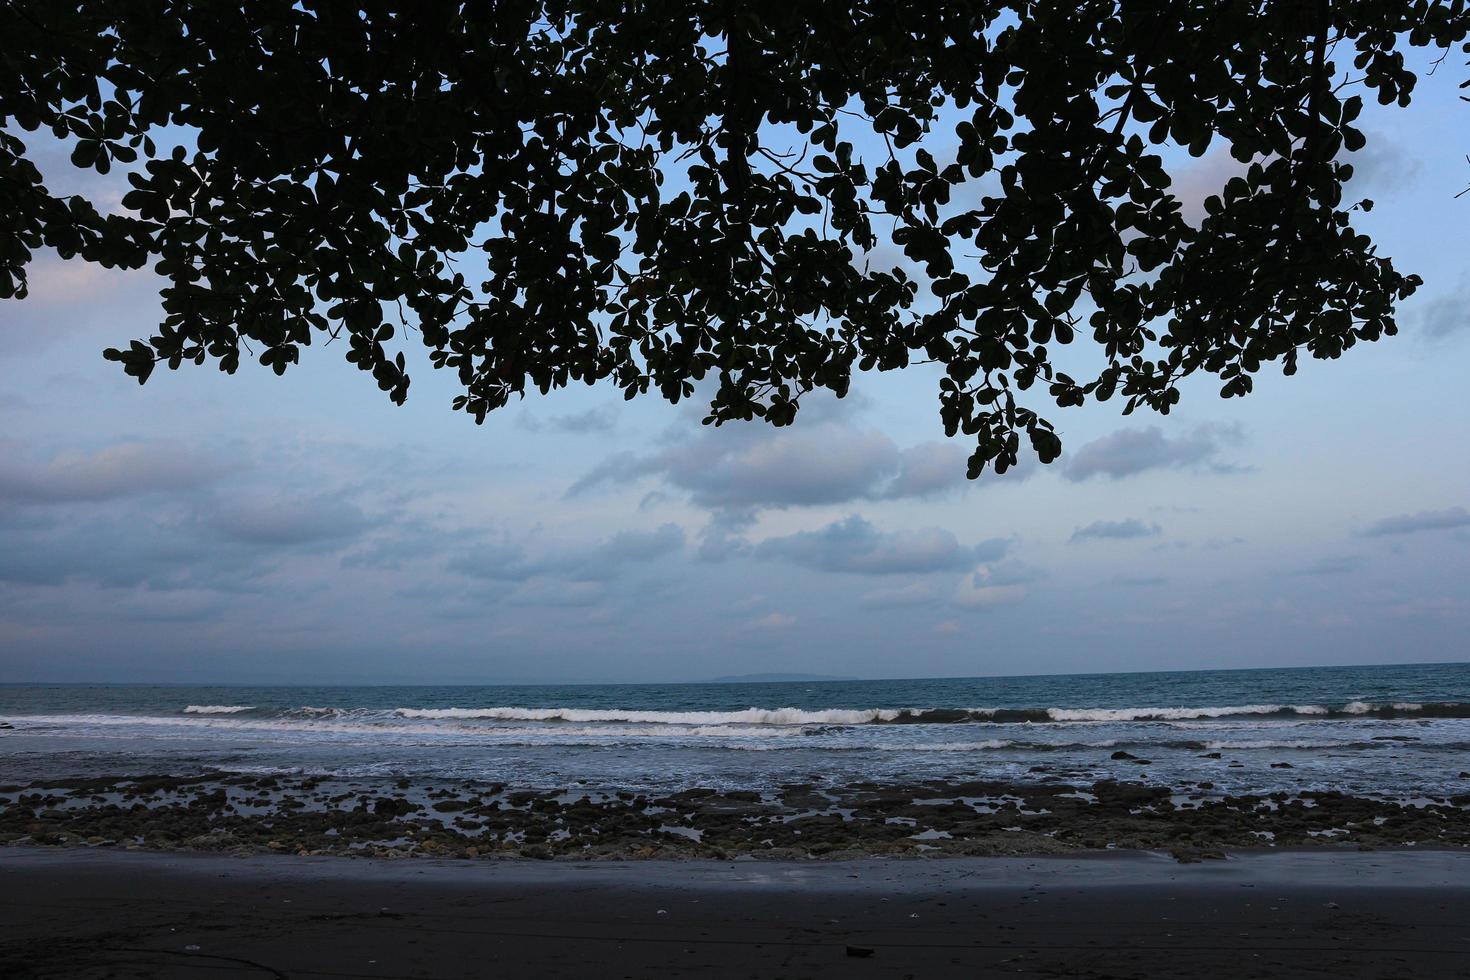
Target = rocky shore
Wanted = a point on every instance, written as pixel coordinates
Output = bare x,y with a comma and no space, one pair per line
235,813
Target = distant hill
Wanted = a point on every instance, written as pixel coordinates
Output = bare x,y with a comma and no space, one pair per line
775,679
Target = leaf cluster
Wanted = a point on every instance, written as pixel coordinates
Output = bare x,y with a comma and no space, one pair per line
654,194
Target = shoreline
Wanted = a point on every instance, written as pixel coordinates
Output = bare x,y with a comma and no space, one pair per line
108,913
475,820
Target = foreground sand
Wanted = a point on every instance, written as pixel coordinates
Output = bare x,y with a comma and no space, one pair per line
108,913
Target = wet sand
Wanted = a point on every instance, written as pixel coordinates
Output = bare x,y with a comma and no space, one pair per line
75,912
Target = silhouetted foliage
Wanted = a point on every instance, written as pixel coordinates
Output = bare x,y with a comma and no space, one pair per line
660,192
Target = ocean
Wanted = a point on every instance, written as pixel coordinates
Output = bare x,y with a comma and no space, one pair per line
1396,731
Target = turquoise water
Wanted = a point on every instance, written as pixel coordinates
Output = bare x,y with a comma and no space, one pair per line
1399,730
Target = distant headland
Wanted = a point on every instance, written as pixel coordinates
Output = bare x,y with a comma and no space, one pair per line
775,679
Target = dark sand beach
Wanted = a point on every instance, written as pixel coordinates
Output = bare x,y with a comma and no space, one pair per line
366,841
106,913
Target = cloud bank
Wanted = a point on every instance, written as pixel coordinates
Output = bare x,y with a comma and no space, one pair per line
1424,520
1129,452
1116,530
855,546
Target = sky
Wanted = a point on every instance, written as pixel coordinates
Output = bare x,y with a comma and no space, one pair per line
256,529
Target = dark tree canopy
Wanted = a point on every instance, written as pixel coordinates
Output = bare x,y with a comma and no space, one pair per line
659,192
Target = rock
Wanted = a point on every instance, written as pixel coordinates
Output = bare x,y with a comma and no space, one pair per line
389,807
1120,755
1211,755
1127,794
1282,765
862,952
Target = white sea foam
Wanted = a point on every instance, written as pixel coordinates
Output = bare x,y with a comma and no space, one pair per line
1249,744
217,709
750,716
863,716
1178,714
992,743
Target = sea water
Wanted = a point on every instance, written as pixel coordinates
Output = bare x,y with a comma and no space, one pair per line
1400,731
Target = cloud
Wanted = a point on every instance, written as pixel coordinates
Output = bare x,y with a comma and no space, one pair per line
1333,565
617,468
90,518
1424,520
821,462
652,499
1383,166
626,546
1128,452
855,546
504,561
74,301
592,421
1449,314
927,469
976,591
724,536
400,543
181,606
56,282
1143,581
124,551
748,467
128,469
557,593
1202,178
495,562
773,621
289,521
911,594
1116,530
1013,572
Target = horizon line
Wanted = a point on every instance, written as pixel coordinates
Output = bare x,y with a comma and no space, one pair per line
708,681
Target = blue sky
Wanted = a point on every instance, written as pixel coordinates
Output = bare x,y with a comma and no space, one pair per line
303,529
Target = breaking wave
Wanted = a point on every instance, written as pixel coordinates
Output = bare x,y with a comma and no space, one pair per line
941,716
217,709
750,716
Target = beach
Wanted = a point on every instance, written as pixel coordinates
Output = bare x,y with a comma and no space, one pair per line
1248,823
107,913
